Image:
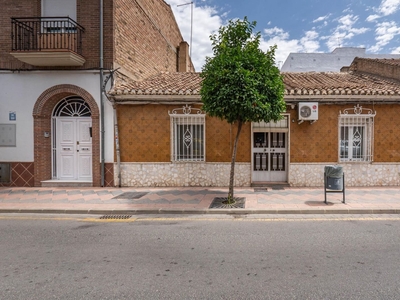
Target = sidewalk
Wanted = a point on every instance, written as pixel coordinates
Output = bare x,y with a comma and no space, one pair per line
197,200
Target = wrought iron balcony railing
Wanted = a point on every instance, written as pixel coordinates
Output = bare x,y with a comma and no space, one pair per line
46,34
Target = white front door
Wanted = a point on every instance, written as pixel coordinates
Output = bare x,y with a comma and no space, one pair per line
74,148
269,157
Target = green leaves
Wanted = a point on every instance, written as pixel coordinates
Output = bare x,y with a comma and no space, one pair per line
241,82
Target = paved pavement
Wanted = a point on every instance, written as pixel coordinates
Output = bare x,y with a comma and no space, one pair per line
195,200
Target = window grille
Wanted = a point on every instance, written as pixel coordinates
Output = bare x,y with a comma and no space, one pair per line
187,134
356,134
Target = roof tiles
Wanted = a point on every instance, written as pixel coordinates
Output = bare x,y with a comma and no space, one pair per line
296,84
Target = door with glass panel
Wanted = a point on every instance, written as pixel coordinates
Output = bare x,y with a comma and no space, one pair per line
72,140
269,151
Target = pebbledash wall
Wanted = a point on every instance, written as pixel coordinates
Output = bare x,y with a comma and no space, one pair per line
355,174
217,174
183,174
307,157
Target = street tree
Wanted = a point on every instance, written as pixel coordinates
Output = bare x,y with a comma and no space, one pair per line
240,82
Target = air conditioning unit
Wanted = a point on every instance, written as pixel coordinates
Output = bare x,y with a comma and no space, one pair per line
308,111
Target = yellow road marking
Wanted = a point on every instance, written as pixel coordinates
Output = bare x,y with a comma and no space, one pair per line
166,219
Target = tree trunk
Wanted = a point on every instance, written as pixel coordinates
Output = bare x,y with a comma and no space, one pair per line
232,174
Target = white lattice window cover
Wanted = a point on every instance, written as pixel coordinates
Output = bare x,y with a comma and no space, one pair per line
187,134
356,134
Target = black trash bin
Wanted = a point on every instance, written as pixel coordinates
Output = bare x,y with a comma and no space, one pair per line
334,180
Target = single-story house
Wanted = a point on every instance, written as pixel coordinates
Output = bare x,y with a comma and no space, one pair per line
349,118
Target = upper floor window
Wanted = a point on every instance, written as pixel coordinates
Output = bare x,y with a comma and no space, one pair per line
59,8
356,134
187,134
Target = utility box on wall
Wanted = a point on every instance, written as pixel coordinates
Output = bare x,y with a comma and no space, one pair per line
5,173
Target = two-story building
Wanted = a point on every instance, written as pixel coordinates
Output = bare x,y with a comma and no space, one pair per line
56,124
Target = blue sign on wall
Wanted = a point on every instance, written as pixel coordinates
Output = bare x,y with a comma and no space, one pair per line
12,116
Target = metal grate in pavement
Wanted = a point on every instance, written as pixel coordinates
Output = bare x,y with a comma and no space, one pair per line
220,202
261,189
131,195
116,217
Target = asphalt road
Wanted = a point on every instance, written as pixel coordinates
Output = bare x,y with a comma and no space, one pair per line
196,257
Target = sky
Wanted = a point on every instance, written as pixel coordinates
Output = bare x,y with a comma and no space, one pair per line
300,26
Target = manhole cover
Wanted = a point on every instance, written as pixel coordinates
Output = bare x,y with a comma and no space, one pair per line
115,217
220,202
131,195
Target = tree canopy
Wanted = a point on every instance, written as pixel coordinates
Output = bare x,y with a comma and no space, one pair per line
241,82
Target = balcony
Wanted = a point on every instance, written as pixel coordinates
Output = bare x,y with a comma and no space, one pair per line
50,41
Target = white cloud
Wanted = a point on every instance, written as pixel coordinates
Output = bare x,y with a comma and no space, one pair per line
344,31
389,7
385,32
320,19
206,21
372,18
396,50
277,36
386,8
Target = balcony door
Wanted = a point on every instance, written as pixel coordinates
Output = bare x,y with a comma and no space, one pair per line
59,8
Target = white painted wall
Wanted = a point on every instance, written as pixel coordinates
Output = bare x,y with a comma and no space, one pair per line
20,90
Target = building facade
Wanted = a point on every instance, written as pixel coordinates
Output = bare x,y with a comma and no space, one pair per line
56,124
328,62
346,118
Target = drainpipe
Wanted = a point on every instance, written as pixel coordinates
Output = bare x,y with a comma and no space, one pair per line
101,97
116,135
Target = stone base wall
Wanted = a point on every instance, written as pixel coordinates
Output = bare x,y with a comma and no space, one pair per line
217,174
181,174
375,174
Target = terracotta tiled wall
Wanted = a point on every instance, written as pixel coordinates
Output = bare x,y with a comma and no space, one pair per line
144,134
108,174
220,138
22,175
387,133
319,142
315,142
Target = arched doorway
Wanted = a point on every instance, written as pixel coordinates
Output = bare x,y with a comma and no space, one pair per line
72,140
43,111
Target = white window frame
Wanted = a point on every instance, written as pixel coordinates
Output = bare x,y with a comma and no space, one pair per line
188,133
356,135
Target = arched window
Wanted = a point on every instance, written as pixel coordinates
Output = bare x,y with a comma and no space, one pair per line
72,107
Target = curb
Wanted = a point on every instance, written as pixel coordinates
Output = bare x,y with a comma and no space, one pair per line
236,211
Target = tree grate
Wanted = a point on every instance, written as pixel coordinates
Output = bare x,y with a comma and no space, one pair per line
220,202
116,217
